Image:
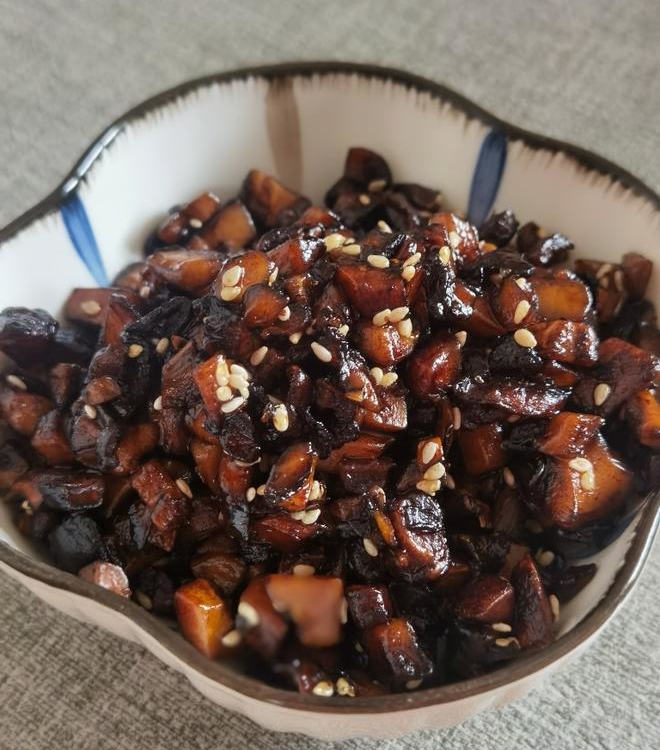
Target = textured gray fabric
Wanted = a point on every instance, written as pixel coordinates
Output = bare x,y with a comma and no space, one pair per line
585,72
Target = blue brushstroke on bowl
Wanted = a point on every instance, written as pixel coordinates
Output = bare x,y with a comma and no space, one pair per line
81,234
487,176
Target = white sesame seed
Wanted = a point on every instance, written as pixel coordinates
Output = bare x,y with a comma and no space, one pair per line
429,452
229,293
444,253
618,280
504,642
261,489
384,227
601,393
389,378
369,547
145,292
437,471
461,337
588,480
375,186
521,283
316,490
224,393
232,405
378,261
143,600
195,223
457,418
325,355
554,607
297,515
345,688
90,411
454,239
237,381
249,614
501,627
90,307
16,382
311,516
604,270
162,346
272,278
408,273
398,313
258,356
232,276
281,418
134,350
184,487
413,260
507,476
413,684
382,317
285,314
343,329
581,464
303,570
294,338
232,639
351,250
604,283
429,486
333,241
237,369
524,338
251,494
522,308
405,328
364,199
158,403
449,481
545,557
358,648
324,688
376,375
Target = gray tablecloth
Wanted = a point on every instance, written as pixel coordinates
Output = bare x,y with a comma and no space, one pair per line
585,72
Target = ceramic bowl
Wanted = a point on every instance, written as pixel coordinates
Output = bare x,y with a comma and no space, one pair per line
297,121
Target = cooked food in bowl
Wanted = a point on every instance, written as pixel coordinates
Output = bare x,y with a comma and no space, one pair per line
358,448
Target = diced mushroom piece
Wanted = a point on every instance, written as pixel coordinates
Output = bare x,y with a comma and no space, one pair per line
487,599
637,273
369,605
283,532
573,492
462,237
296,255
51,441
385,345
225,571
500,228
482,449
26,335
395,656
643,415
569,434
231,227
533,627
74,543
543,249
371,290
561,295
422,552
365,166
262,305
566,341
263,626
526,398
392,415
482,321
240,273
434,367
290,481
366,446
473,648
61,489
204,617
137,441
190,270
269,201
572,580
514,303
22,411
207,458
108,576
314,604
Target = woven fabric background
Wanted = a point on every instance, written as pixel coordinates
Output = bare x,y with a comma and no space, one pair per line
583,71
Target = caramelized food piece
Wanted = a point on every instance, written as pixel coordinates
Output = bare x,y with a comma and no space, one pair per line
269,201
643,415
369,605
203,616
481,448
231,227
488,599
290,482
395,655
190,270
533,626
434,367
108,576
61,489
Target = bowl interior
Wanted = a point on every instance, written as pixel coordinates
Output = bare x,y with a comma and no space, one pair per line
299,128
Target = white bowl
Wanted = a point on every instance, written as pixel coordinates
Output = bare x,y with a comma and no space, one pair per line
297,122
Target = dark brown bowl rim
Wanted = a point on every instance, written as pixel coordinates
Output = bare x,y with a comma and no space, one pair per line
635,557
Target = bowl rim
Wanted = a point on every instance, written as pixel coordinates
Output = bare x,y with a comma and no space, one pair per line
172,641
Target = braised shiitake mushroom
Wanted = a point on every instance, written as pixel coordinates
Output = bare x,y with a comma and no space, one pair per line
358,447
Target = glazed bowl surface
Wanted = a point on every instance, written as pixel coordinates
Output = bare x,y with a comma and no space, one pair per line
297,121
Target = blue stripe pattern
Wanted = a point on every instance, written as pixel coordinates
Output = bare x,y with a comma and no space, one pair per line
487,176
82,237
